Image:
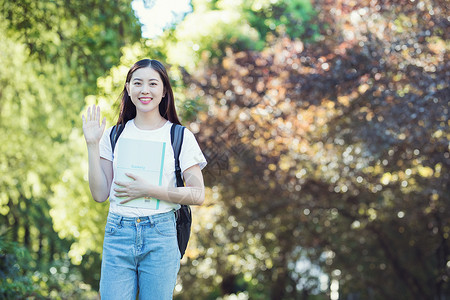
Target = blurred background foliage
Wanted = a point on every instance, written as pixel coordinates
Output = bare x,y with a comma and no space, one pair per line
325,124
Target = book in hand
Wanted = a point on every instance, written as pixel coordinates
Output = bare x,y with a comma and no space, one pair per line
144,159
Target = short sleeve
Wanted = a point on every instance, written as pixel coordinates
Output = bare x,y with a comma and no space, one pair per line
191,154
105,145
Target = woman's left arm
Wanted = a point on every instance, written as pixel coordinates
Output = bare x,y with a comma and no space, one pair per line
193,193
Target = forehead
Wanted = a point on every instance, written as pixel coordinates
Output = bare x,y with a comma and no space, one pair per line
146,73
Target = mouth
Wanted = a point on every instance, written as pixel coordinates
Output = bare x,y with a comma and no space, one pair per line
145,100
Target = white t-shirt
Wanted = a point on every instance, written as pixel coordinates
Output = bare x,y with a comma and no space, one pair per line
190,155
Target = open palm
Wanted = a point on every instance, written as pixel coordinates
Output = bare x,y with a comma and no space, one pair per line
92,128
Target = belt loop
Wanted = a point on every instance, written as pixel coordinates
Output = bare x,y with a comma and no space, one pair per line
120,220
151,219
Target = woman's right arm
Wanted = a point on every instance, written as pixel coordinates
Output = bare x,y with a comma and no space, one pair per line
100,170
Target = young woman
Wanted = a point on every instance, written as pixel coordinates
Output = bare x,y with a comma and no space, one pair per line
140,249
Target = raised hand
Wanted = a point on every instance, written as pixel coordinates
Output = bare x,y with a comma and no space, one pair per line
92,128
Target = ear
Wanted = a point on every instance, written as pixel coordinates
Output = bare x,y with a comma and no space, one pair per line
127,86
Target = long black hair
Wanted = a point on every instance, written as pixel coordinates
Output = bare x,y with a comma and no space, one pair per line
167,104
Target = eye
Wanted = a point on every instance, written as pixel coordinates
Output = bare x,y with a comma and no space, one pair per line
137,83
153,83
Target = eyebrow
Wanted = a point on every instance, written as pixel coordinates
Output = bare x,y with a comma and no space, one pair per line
137,78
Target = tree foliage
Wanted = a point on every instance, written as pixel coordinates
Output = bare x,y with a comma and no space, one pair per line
325,126
243,24
335,151
19,278
51,54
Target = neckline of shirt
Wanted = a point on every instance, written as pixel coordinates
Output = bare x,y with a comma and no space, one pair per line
149,130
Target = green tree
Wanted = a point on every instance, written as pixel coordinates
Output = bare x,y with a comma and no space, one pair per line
241,25
52,53
326,135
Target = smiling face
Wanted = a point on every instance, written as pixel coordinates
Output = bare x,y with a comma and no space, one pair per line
146,89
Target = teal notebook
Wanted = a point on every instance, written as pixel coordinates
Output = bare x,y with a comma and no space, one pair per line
144,159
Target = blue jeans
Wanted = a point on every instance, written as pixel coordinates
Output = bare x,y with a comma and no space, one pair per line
140,254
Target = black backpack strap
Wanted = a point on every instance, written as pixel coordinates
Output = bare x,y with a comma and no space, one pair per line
183,215
114,135
176,137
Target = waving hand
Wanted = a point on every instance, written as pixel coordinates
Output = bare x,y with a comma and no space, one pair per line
92,128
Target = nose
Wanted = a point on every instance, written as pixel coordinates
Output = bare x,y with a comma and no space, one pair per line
145,89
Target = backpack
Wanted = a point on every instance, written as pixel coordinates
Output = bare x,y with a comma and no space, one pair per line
183,215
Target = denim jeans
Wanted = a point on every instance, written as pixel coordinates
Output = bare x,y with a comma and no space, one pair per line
140,254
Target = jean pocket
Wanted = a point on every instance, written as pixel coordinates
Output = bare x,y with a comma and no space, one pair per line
166,228
111,227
